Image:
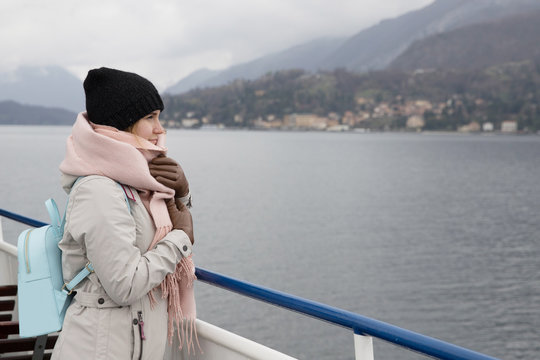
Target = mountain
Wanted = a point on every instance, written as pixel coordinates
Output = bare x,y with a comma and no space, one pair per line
192,80
476,46
50,86
13,113
376,47
371,49
305,56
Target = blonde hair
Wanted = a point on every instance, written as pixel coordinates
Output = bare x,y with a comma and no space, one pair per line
133,130
133,127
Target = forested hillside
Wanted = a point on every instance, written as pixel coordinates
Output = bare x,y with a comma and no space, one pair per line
442,100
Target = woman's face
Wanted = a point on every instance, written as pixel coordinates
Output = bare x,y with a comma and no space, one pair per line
149,127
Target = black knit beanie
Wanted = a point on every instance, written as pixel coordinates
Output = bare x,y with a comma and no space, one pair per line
118,98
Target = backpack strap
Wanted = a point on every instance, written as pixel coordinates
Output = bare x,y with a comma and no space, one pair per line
88,268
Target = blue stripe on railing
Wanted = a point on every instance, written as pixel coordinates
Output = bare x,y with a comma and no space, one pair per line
21,219
359,324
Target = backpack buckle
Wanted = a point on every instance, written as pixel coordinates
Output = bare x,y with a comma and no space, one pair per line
64,287
89,267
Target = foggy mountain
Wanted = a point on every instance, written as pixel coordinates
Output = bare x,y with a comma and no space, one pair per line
50,86
306,56
476,46
371,49
375,48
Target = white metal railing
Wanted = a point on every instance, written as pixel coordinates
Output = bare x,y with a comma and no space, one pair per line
217,343
364,328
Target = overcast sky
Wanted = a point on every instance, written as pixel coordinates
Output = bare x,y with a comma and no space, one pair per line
165,40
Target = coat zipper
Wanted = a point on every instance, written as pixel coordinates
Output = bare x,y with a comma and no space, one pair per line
141,332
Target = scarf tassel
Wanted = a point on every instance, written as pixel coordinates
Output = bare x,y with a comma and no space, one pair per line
171,288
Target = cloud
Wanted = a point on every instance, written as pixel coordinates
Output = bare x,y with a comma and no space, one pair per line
167,39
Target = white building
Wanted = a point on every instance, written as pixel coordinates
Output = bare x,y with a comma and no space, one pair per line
188,123
509,126
338,128
487,126
415,122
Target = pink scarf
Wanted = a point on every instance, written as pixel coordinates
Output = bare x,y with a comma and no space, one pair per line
122,156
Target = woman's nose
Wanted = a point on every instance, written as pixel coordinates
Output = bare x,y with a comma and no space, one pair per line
158,129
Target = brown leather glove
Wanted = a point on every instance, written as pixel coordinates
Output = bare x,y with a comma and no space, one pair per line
181,217
167,172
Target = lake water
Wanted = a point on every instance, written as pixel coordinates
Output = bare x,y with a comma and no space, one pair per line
438,234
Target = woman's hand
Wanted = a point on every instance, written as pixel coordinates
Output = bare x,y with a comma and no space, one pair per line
180,217
167,172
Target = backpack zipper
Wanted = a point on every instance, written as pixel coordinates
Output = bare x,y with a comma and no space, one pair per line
27,261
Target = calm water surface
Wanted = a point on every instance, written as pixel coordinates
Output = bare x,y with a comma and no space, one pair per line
439,234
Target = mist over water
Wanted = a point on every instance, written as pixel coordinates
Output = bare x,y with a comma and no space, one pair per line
438,234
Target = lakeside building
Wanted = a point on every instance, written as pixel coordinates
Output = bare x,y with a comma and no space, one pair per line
471,127
415,122
306,121
509,126
487,127
271,123
189,123
338,128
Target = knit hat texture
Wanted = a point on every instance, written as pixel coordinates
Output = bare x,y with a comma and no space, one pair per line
119,98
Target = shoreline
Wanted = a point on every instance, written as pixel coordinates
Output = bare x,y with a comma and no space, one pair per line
351,131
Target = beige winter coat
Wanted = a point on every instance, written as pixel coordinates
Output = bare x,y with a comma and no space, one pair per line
104,319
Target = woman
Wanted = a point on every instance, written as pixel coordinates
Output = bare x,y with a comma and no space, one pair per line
127,216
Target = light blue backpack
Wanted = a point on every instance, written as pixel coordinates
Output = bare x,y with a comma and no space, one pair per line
43,297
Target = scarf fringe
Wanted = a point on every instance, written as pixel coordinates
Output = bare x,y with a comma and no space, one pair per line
170,289
160,234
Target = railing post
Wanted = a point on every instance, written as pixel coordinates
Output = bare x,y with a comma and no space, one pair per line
363,346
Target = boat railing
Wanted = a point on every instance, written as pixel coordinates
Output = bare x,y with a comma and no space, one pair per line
364,328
